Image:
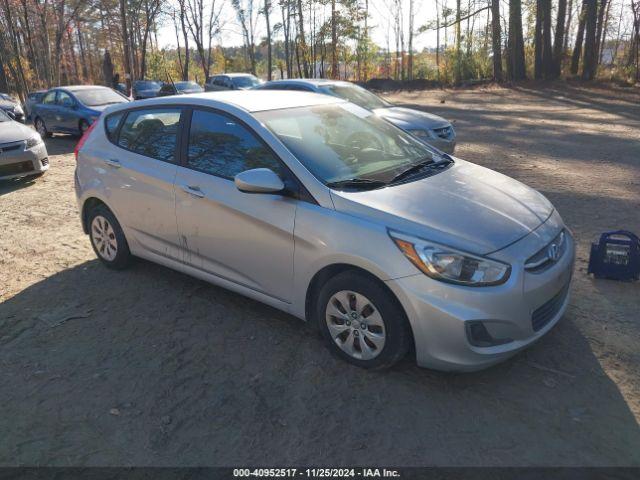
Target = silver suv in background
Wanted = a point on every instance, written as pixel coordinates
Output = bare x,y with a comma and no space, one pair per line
231,81
320,208
429,128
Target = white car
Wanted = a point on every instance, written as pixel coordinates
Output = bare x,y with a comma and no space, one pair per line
22,151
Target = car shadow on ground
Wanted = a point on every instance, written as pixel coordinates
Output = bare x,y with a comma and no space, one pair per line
152,367
14,184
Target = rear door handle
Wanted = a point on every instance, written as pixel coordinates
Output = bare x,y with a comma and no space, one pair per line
113,163
193,190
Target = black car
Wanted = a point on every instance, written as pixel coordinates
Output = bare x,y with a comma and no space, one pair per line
11,107
145,89
179,88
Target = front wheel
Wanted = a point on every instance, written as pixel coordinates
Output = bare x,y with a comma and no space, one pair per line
362,322
107,238
41,128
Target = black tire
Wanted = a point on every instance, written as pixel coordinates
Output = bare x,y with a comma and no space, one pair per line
123,257
83,126
396,326
41,128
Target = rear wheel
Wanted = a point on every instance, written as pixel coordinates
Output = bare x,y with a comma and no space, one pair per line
362,322
41,128
107,238
84,126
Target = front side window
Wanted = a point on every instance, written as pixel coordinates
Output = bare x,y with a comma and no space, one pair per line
339,142
221,146
64,100
152,133
49,98
246,82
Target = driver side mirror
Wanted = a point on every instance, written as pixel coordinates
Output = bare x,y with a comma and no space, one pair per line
259,180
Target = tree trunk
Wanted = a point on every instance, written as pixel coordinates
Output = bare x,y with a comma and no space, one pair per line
125,44
558,41
577,49
590,62
334,41
496,40
267,8
517,68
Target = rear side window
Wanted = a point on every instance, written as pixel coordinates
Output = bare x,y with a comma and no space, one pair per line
221,146
152,133
111,125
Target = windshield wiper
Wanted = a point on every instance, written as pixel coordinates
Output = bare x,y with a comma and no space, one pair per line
359,183
416,167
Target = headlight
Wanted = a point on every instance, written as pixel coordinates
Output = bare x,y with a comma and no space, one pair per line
425,134
18,109
448,265
34,140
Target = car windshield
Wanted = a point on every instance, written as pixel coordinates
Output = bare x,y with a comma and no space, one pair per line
4,117
247,81
98,96
341,142
188,86
355,94
147,85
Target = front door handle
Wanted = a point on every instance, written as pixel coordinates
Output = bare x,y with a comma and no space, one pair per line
193,190
113,162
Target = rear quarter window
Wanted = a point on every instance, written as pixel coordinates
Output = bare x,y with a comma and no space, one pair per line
111,125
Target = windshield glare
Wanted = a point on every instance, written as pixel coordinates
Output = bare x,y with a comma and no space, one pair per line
147,85
245,81
98,96
361,97
188,86
342,141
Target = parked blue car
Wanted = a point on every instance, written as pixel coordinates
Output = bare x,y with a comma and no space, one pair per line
72,109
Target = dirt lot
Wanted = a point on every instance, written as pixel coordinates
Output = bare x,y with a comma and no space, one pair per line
160,369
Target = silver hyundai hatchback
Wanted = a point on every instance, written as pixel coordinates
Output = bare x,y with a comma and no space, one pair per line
320,208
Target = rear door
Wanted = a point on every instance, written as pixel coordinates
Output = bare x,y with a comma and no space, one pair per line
141,169
244,238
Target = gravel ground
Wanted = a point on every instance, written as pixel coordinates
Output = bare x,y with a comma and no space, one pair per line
151,367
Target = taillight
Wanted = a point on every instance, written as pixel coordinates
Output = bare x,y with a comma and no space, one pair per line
84,137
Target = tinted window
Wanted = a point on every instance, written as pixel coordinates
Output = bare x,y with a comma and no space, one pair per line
49,98
221,146
151,133
248,81
111,124
64,99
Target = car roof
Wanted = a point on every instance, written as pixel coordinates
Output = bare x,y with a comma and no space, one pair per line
77,88
232,75
248,100
316,82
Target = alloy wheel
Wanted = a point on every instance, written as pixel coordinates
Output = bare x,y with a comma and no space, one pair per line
40,128
104,238
355,325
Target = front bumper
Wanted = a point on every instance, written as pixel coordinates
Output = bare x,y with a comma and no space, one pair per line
16,161
439,314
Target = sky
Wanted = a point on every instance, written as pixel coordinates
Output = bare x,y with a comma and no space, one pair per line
378,9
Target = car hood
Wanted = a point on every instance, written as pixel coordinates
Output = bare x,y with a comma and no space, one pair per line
6,104
14,132
466,206
408,118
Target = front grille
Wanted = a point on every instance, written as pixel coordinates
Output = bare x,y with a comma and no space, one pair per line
543,315
445,132
15,168
548,255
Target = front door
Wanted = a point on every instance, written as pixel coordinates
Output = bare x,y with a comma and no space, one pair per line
244,238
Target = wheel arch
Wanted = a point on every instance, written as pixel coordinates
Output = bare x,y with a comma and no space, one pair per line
330,271
88,205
